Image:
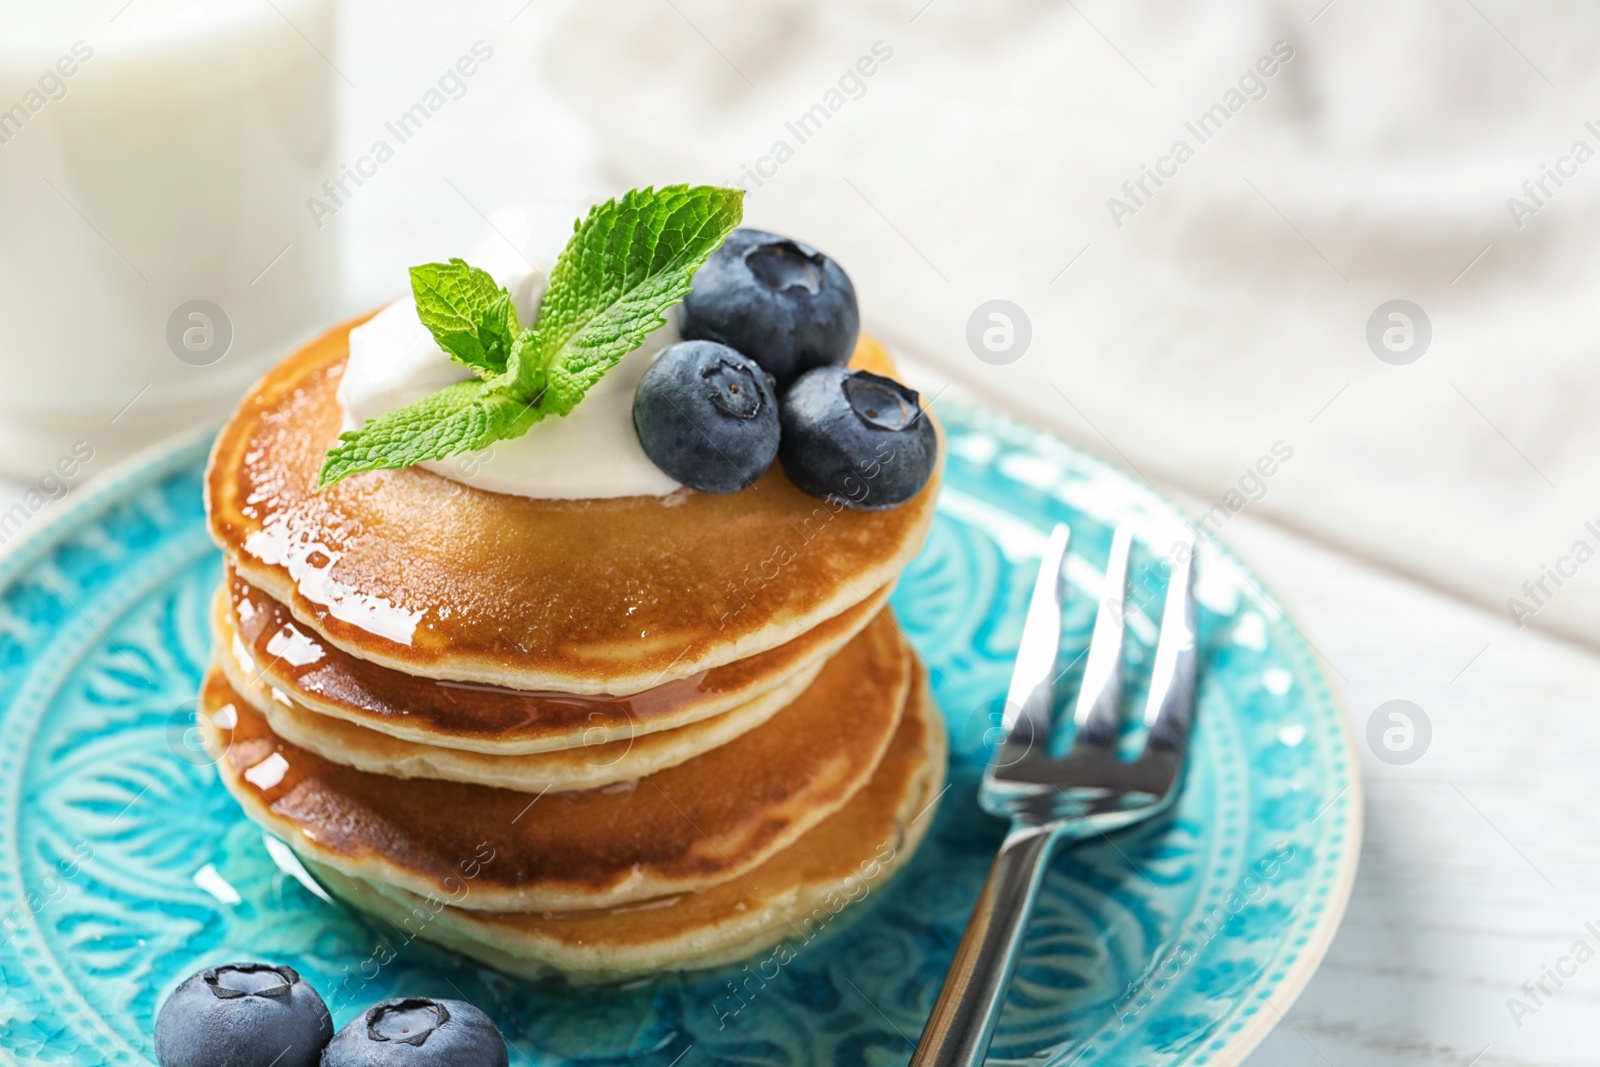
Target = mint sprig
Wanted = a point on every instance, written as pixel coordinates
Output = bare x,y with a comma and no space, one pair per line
628,262
468,313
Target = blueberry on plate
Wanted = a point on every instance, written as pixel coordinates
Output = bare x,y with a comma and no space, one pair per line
858,436
784,304
707,416
420,1032
242,1015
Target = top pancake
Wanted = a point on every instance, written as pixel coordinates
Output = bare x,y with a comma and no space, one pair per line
435,578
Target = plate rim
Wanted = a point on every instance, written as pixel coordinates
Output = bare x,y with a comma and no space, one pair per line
127,473
1309,961
1298,975
155,460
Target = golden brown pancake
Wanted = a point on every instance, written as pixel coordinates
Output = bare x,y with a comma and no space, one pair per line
322,677
794,896
432,577
686,828
586,766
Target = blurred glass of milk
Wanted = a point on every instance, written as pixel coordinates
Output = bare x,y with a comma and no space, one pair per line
156,251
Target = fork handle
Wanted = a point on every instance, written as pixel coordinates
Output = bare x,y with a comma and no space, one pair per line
962,1023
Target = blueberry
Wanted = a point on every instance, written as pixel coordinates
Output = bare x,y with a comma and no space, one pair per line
242,1015
421,1032
784,304
707,416
858,436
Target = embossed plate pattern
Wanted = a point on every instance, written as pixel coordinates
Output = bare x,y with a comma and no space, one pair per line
124,865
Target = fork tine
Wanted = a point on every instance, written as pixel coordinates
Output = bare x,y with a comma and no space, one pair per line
1170,706
1098,713
1028,702
1087,792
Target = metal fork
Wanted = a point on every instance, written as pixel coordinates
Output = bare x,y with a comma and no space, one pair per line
1088,792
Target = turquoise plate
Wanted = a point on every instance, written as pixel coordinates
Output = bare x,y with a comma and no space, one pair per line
124,865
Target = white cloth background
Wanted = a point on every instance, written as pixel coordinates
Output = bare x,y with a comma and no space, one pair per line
1229,311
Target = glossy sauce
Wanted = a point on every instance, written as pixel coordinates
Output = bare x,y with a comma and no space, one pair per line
686,827
322,676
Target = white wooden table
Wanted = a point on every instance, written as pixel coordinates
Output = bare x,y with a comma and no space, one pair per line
1479,864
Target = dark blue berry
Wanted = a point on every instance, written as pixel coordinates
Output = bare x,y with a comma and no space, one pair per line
784,304
242,1015
418,1032
858,436
707,416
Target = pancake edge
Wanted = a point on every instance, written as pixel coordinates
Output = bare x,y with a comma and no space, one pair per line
225,621
518,771
477,937
371,866
486,670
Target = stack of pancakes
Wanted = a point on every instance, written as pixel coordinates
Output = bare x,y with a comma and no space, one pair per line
589,737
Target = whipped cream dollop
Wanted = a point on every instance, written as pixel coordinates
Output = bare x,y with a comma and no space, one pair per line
593,452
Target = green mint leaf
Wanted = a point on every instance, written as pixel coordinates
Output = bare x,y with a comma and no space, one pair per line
469,314
627,263
464,417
